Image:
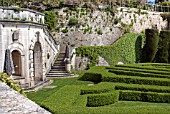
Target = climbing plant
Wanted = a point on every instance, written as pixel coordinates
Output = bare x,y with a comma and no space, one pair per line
8,80
127,50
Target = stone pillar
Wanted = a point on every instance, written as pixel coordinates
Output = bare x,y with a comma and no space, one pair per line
2,48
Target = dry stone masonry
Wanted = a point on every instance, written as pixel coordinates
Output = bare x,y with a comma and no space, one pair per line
100,27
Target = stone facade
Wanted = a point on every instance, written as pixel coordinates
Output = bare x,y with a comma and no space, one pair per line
32,47
11,102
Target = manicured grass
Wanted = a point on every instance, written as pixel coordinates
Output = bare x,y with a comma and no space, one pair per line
41,95
67,98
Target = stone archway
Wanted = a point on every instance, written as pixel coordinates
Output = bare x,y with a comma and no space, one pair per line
38,67
16,57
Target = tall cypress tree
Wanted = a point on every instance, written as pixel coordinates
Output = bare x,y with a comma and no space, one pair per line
163,47
151,44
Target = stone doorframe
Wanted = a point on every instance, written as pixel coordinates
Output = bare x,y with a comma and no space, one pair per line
18,47
37,61
31,59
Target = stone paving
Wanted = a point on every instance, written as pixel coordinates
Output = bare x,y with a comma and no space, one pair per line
11,102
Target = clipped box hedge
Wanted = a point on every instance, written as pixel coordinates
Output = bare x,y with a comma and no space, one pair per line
141,74
144,96
142,70
141,67
136,80
102,87
144,88
94,77
95,100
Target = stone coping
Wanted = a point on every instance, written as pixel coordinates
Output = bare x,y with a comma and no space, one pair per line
22,22
11,102
22,9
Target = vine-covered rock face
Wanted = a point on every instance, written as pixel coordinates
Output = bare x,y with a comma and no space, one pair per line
127,50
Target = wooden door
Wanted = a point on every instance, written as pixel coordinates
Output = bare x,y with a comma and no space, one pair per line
16,57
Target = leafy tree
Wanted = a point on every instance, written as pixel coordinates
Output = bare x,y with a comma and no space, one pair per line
50,19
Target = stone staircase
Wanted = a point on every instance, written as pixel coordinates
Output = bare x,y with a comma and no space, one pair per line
58,69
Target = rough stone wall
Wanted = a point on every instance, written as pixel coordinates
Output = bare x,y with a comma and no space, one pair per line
11,102
82,62
100,27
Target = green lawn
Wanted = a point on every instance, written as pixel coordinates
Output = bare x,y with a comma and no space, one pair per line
41,95
66,98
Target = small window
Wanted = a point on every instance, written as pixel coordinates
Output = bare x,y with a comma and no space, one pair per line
15,36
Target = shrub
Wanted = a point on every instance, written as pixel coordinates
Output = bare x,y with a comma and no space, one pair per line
143,88
135,80
163,47
94,100
144,66
102,87
150,47
99,31
8,80
50,19
94,77
73,21
65,30
144,96
140,73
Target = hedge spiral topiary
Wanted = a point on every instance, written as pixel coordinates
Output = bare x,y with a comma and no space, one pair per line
151,44
163,46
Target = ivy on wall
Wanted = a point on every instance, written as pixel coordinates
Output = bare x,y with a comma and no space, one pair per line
127,50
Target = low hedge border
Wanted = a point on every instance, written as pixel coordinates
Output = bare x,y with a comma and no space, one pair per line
102,87
144,88
140,67
141,74
144,96
94,77
136,80
95,100
110,77
142,70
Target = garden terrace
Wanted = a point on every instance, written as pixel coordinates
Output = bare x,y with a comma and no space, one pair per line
118,92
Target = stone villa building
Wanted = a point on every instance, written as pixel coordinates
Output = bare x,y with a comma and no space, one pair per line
32,48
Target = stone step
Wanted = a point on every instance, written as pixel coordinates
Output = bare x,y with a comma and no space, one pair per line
56,76
61,63
59,59
58,67
53,73
58,71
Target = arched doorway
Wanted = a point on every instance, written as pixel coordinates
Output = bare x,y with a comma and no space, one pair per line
38,72
16,57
